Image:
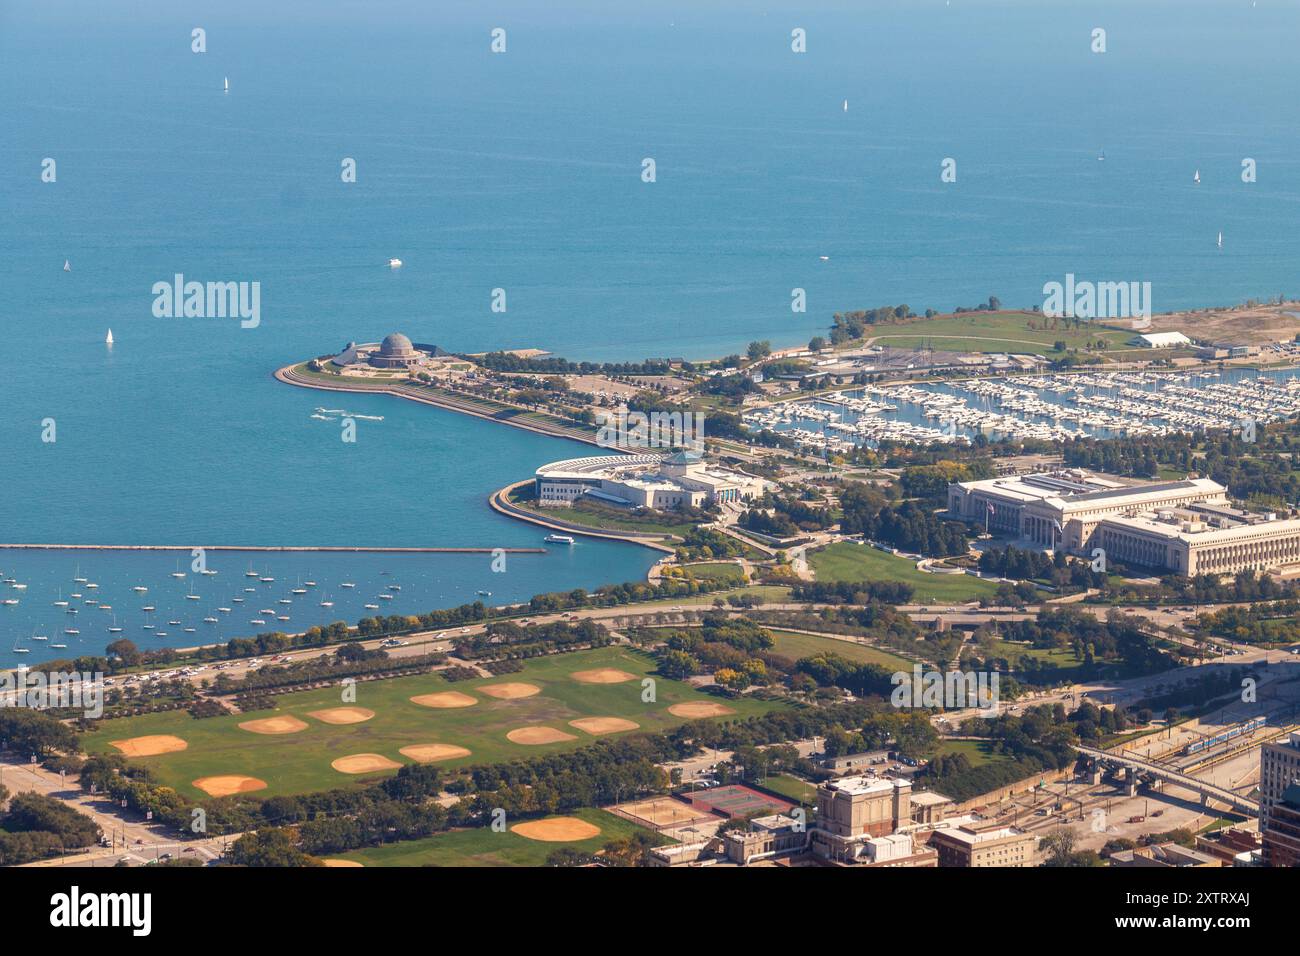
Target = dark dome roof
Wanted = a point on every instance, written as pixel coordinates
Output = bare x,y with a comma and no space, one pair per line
396,344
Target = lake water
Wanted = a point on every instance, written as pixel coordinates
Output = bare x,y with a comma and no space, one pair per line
521,171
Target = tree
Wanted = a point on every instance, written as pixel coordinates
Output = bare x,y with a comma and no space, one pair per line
759,350
269,847
816,343
1057,847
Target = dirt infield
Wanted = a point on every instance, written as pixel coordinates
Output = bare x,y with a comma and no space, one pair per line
538,735
224,785
604,725
662,812
150,746
332,864
364,763
511,691
557,829
602,675
699,709
445,700
342,715
430,753
274,725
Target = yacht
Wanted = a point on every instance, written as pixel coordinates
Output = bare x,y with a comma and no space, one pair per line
372,607
58,644
139,589
484,593
559,539
394,263
209,620
148,607
257,620
347,584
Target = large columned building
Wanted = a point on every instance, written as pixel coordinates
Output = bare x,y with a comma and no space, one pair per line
1185,527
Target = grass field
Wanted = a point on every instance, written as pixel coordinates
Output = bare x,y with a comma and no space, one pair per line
1059,657
604,518
796,645
485,847
857,562
800,791
995,332
718,571
978,752
301,762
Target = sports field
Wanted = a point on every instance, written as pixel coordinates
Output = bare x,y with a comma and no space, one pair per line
996,332
792,644
314,740
862,562
510,847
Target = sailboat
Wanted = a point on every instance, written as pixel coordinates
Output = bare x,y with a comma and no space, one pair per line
227,85
1196,177
108,339
1101,156
67,266
20,650
846,106
1220,238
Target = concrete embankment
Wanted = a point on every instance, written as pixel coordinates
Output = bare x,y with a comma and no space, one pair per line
478,408
499,501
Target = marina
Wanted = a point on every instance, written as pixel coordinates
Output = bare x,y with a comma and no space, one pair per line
1050,407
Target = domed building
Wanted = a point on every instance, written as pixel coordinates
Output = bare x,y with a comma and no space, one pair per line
396,351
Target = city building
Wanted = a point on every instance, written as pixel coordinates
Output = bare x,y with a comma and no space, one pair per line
1161,340
1281,835
767,837
1001,846
1186,527
396,351
1163,855
661,482
1279,768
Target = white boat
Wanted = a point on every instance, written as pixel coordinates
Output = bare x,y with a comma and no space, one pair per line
58,644
108,339
39,637
20,650
282,617
148,607
191,597
92,585
1196,177
1101,156
174,623
394,263
10,601
224,610
559,539
257,620
266,580
139,589
385,597
226,85
250,573
846,106
394,587
209,620
1220,239
347,584
372,607
484,593
67,266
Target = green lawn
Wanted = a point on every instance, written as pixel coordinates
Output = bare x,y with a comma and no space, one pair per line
717,570
486,847
795,645
800,791
978,752
301,762
604,518
1056,656
859,562
995,332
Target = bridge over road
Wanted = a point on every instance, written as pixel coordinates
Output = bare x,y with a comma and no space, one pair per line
1136,766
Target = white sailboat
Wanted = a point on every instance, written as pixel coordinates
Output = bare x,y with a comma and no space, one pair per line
108,339
846,106
1196,177
1101,156
1220,238
227,85
67,266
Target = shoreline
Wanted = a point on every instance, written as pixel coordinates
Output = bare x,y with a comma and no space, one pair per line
499,502
288,376
265,547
